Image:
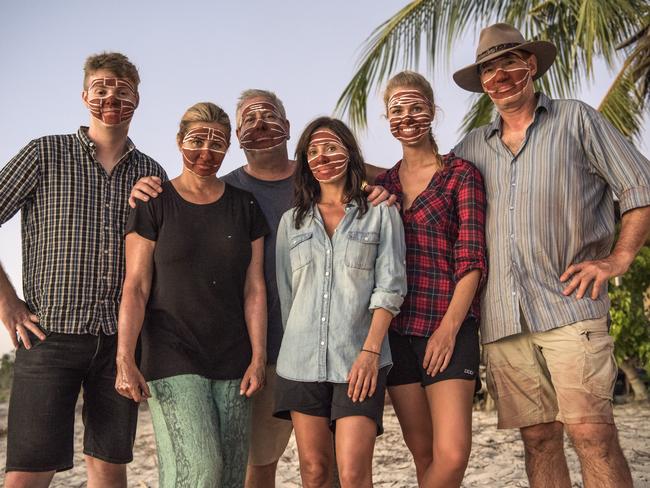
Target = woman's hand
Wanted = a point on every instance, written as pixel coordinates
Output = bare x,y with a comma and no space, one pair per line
362,379
440,348
253,379
129,381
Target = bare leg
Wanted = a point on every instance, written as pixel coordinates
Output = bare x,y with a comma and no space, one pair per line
412,409
545,461
451,417
315,449
601,458
105,475
24,479
355,443
261,476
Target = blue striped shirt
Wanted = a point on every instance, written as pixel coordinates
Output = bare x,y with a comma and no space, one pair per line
549,206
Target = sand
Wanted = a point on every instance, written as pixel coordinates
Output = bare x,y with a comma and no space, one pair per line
497,458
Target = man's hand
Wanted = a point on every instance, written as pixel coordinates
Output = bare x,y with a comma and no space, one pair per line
598,272
439,350
129,381
378,194
17,318
362,378
253,379
145,188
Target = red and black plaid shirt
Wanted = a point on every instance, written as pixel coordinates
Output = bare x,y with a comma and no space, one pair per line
445,239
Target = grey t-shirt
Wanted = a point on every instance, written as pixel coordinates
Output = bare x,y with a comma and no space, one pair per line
274,198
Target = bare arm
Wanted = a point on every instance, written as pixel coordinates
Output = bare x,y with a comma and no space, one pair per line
440,346
635,225
135,294
363,374
15,315
255,313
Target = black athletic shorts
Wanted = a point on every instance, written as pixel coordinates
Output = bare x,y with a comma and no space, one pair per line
408,357
329,400
46,385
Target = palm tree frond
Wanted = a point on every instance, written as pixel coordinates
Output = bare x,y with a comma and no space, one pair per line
481,113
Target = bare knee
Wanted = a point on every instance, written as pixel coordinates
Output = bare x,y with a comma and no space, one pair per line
593,441
261,476
543,439
352,476
22,479
315,471
105,474
420,448
452,459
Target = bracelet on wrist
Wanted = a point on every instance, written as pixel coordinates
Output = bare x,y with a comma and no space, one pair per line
371,352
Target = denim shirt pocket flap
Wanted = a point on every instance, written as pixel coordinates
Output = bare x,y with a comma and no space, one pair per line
361,249
300,250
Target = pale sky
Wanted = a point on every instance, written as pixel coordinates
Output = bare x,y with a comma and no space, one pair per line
192,51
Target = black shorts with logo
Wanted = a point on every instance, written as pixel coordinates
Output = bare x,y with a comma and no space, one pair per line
408,357
46,385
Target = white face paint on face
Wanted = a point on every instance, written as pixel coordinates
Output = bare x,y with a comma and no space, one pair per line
204,149
410,115
261,126
505,77
112,100
327,156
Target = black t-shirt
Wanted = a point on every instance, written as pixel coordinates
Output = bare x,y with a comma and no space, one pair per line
194,321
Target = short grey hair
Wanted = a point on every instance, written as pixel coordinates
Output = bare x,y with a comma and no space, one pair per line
255,93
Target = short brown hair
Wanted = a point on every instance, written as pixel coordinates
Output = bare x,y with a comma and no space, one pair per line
255,93
203,112
116,63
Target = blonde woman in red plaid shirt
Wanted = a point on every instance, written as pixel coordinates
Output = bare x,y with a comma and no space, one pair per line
434,340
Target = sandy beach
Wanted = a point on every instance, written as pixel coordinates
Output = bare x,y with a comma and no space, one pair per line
497,458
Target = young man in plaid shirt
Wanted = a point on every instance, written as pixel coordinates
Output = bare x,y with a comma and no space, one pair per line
72,190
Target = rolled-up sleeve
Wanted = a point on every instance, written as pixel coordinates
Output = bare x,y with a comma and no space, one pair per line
390,265
283,267
18,181
616,160
470,249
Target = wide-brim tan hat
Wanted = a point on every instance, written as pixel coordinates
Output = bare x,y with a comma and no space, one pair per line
497,40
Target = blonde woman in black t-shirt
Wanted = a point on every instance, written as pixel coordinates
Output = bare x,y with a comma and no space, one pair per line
195,287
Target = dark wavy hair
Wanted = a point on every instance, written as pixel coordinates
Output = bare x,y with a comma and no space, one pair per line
306,187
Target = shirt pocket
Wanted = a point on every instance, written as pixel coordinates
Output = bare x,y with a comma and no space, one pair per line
361,249
300,251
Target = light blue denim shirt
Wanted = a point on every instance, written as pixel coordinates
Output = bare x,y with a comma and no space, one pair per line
329,288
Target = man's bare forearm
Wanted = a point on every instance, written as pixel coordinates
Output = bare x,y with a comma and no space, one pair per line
8,294
635,226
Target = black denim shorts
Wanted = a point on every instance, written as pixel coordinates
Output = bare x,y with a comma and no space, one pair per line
408,357
46,385
329,400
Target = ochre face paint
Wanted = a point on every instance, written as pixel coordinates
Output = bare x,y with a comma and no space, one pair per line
261,127
112,100
327,156
204,149
409,115
518,77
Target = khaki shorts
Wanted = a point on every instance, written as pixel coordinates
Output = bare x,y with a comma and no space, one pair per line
565,374
269,435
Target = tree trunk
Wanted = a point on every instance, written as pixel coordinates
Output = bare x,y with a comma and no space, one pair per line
638,387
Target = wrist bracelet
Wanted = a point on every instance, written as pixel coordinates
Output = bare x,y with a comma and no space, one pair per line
371,352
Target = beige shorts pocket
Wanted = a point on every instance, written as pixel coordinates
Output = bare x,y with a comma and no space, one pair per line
600,368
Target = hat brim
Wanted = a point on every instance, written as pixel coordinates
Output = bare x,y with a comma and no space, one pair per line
468,78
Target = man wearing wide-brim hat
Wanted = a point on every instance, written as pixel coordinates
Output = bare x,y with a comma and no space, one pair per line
550,169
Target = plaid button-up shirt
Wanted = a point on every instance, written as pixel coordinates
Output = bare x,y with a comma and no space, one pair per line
445,239
73,217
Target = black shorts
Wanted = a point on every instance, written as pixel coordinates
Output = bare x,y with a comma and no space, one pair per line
46,385
329,400
408,357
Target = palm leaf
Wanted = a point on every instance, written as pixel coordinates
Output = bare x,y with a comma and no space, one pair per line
481,113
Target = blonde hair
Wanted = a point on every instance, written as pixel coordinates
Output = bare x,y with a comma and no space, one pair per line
116,63
203,112
411,79
254,93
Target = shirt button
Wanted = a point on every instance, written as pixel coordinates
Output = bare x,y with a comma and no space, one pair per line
325,295
327,273
513,184
328,251
322,343
514,293
512,236
512,208
105,251
365,238
322,319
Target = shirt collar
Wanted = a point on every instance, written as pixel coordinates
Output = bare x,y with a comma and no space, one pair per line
543,104
314,209
82,134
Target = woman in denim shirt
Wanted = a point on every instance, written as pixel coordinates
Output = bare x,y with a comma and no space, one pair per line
341,279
